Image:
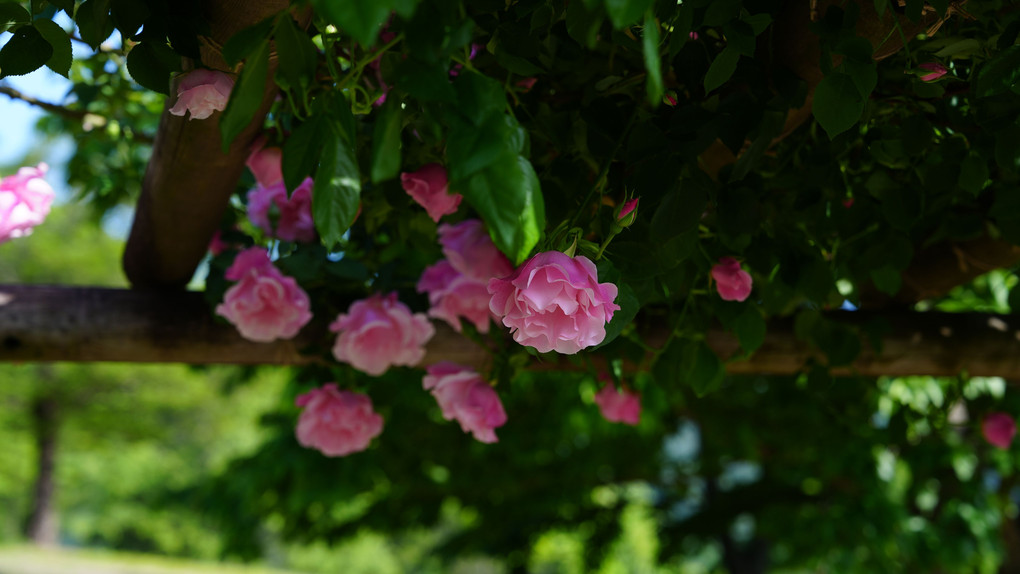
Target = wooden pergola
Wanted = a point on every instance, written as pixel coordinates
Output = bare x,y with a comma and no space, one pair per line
189,182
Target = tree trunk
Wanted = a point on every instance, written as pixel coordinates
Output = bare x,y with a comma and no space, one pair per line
43,527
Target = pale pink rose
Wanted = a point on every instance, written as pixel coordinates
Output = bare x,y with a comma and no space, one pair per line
202,92
998,429
463,396
453,295
294,220
266,163
335,422
428,187
264,304
25,200
554,302
619,406
732,282
937,71
470,250
378,332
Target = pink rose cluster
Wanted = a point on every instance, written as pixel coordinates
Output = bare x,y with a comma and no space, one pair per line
732,282
264,304
457,285
379,332
335,422
619,406
464,396
202,92
293,221
999,429
429,187
25,200
554,302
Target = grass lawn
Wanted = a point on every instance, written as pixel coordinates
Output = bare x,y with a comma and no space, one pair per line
31,560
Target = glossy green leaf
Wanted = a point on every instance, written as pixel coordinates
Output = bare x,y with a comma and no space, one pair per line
25,52
722,68
653,61
247,95
361,19
707,372
94,23
626,12
301,151
337,189
296,52
60,41
838,103
629,306
386,142
750,328
151,65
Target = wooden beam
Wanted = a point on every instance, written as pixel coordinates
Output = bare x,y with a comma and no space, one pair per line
83,324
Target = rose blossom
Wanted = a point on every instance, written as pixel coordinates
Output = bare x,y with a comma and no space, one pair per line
554,302
265,163
264,304
336,423
999,429
626,214
202,92
470,250
732,282
464,396
378,332
428,187
25,200
295,222
619,406
457,285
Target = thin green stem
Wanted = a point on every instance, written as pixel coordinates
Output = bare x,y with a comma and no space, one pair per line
359,66
604,171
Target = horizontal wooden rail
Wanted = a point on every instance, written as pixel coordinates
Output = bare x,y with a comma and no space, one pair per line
84,324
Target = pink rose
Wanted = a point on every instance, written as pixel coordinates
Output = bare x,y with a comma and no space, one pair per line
470,250
464,396
453,295
202,92
264,304
999,429
25,200
937,71
266,163
554,302
626,214
379,332
732,282
336,422
428,187
294,221
619,406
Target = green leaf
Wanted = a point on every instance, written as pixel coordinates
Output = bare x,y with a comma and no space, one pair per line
507,195
479,97
653,61
12,14
772,123
750,328
707,372
722,68
298,55
94,23
25,52
839,343
887,279
583,23
301,151
838,103
337,189
470,149
626,12
880,6
246,98
973,174
60,41
1014,299
362,19
425,82
386,142
129,15
1000,74
151,65
244,43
